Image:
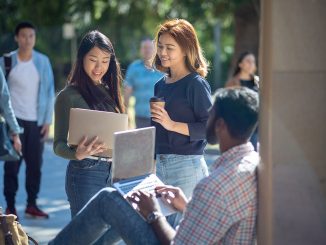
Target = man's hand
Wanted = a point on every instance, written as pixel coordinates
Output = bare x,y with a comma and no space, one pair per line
145,202
85,150
45,131
173,196
17,143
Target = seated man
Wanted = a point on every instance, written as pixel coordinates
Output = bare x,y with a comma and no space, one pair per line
223,208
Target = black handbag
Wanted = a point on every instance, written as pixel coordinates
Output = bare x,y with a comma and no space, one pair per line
7,150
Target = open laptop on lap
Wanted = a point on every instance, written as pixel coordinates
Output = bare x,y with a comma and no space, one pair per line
133,164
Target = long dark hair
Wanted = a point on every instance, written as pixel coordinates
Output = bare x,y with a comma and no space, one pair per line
240,59
112,79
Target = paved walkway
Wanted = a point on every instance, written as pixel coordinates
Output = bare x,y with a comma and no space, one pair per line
52,197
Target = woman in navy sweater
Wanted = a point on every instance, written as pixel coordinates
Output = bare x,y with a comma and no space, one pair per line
180,125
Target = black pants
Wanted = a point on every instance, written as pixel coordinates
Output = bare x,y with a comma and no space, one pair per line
32,149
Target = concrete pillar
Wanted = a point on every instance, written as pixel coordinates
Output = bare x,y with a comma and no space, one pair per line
292,174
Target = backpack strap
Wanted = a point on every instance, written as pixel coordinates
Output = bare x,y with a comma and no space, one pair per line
32,240
8,63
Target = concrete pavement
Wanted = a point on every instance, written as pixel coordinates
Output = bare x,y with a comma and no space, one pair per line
52,198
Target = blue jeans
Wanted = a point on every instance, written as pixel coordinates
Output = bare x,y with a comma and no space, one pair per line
107,212
183,171
83,180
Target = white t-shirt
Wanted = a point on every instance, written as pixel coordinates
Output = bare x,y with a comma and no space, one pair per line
24,83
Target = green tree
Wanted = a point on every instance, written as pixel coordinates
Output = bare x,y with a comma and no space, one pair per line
127,21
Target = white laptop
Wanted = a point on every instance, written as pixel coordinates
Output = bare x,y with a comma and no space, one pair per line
133,164
91,123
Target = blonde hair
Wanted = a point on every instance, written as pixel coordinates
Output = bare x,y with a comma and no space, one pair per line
185,35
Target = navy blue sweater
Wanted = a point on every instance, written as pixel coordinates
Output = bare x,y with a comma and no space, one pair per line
186,100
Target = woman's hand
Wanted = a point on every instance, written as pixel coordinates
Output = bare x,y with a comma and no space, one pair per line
161,116
17,143
85,150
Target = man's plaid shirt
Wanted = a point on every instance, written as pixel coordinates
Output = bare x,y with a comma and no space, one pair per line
223,208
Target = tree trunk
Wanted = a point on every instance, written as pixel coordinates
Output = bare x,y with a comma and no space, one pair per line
246,18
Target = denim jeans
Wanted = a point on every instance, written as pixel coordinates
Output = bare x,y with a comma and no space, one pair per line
83,180
183,171
107,212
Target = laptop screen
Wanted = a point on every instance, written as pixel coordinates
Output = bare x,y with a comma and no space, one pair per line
133,153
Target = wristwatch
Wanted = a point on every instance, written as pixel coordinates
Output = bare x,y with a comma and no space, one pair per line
153,216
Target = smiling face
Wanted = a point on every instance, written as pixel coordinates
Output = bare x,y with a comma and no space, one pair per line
169,51
96,64
26,39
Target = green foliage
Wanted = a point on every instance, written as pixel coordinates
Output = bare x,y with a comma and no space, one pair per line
124,21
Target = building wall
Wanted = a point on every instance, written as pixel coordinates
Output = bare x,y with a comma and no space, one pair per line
292,175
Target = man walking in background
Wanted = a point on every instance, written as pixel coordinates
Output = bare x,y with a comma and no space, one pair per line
31,86
140,80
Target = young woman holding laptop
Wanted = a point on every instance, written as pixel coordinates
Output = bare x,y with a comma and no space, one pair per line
94,83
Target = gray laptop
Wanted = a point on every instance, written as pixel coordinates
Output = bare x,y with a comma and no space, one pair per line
91,123
133,166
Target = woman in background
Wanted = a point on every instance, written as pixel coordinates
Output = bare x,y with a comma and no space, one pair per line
244,75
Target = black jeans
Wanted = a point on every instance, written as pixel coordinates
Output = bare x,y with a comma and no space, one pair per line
32,149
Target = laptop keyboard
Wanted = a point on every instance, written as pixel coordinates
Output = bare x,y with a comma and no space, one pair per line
147,185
